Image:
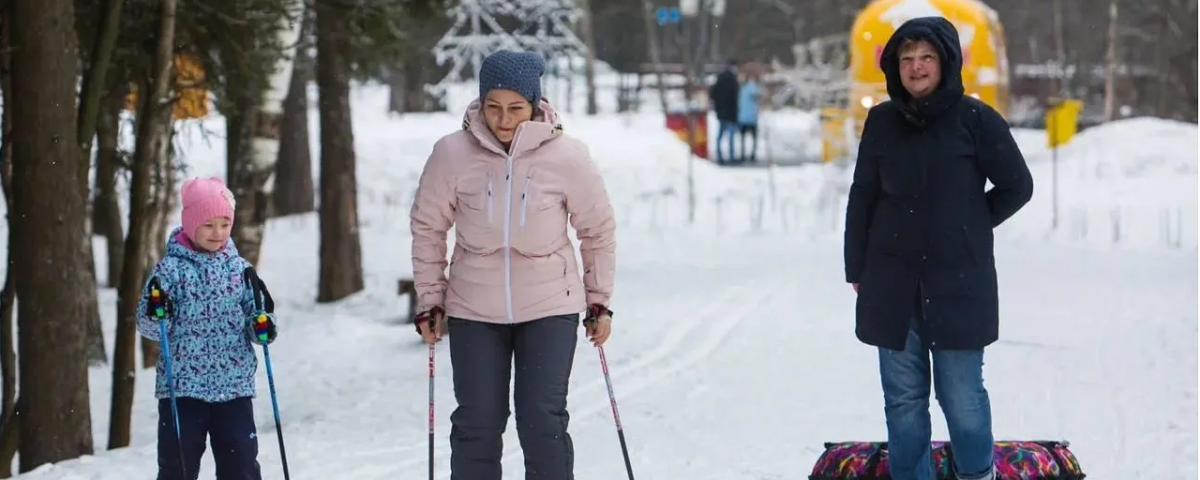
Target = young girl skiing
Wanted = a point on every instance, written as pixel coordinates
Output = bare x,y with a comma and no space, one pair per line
204,294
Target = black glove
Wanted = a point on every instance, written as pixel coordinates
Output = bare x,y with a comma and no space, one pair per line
595,311
430,315
264,332
261,326
158,304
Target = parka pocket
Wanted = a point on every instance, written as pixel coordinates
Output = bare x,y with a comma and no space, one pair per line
541,218
971,253
476,225
478,200
563,259
534,202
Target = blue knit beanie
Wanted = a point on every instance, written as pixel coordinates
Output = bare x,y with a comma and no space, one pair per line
520,72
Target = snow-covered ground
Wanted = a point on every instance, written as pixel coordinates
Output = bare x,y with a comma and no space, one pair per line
733,354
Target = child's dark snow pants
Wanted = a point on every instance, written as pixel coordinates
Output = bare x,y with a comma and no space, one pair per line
483,356
229,426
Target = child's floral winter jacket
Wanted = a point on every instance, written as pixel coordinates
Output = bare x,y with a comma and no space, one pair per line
208,322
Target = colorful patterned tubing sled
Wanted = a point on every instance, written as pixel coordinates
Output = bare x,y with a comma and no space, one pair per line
1015,460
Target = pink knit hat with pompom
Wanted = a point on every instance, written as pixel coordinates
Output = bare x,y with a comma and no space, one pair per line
204,199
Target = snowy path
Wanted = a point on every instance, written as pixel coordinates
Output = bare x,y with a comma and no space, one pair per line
735,358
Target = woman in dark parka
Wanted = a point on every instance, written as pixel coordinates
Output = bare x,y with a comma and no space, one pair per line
919,246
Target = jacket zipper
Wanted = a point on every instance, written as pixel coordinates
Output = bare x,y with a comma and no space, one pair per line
489,198
508,191
524,200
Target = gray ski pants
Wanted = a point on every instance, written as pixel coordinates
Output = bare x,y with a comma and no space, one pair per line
482,356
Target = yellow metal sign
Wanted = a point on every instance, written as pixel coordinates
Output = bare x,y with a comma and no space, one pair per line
1062,121
833,134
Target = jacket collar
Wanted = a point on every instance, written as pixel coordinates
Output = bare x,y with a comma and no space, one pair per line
530,135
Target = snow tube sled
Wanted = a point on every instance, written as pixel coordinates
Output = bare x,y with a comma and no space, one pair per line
1015,460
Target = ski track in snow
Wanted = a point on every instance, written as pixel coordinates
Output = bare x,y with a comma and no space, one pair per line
702,333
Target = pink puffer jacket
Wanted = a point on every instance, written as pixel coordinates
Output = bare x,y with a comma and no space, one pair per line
512,260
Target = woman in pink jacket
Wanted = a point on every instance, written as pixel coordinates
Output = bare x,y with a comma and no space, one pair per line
509,183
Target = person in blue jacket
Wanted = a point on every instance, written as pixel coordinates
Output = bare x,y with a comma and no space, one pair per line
919,246
749,98
210,306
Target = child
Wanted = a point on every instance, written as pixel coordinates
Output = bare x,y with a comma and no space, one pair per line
210,305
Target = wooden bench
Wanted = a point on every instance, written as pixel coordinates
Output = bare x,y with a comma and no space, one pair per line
409,288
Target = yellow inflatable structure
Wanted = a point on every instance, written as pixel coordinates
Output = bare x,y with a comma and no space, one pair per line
985,61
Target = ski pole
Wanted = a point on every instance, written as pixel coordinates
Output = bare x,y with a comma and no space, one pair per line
158,303
262,330
612,399
431,352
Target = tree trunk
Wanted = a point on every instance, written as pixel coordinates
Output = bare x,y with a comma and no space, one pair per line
162,203
341,272
94,81
397,78
96,354
154,121
1060,49
589,66
407,78
8,351
10,439
655,52
1110,64
294,190
106,210
250,175
56,418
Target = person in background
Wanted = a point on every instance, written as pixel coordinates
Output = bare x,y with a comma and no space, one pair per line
724,97
919,246
509,183
209,315
749,97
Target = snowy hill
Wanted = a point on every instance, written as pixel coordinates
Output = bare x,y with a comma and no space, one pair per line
736,347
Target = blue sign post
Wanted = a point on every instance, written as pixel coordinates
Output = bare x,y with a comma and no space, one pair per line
667,15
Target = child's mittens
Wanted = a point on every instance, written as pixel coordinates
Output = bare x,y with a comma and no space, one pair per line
261,328
158,304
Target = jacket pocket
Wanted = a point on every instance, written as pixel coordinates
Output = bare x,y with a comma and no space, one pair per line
491,219
476,221
524,201
563,259
535,202
971,254
541,218
477,199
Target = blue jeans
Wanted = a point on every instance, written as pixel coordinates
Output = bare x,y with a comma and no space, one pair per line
958,382
726,129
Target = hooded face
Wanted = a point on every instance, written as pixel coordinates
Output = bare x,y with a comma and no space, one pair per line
922,63
920,68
